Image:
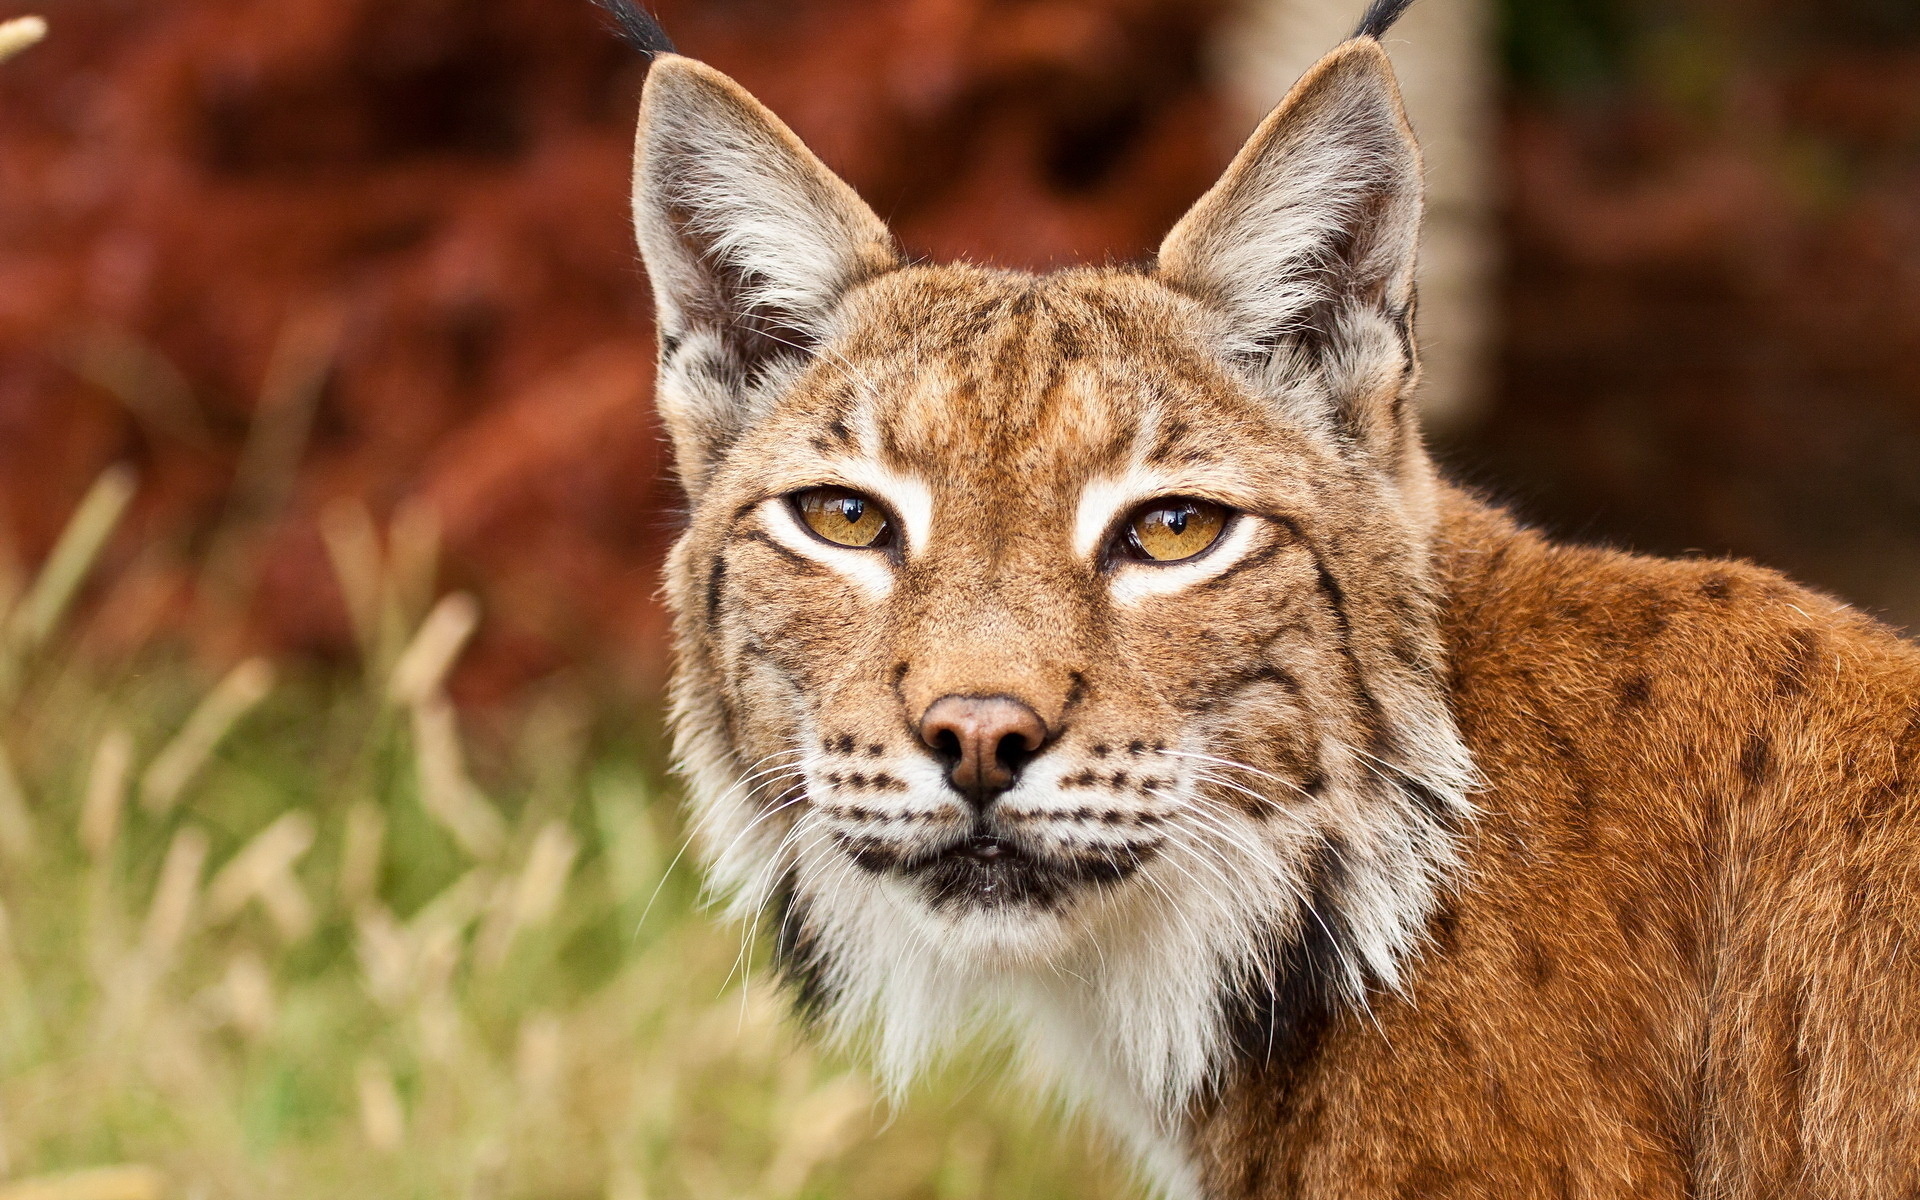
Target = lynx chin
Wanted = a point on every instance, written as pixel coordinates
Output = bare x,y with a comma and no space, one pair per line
1097,658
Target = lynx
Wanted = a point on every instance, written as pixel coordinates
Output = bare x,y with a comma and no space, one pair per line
1097,658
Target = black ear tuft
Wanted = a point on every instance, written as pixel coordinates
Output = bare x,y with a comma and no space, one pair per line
1381,15
637,27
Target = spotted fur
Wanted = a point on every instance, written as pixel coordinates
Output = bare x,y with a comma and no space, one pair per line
1384,849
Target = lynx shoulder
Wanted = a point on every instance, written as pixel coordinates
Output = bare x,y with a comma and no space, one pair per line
1099,656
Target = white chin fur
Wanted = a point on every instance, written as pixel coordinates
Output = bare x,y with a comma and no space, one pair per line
1114,999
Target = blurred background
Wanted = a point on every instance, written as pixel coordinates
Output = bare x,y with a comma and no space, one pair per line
335,848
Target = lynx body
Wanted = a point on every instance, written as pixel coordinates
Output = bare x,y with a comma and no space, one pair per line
1099,658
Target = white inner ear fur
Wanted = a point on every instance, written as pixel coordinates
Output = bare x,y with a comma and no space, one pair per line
712,162
1315,226
1333,163
749,242
760,219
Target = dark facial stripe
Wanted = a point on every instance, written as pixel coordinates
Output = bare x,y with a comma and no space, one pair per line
1257,559
745,508
1336,598
1255,676
1171,436
716,588
799,562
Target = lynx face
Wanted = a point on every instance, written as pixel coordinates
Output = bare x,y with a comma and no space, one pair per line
1028,628
1059,649
940,625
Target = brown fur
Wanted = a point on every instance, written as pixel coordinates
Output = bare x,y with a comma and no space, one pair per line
1681,960
1662,950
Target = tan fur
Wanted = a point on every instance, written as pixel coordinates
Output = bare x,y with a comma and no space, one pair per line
1681,962
1663,944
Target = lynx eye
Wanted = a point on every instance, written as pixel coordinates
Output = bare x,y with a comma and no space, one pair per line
1173,529
843,517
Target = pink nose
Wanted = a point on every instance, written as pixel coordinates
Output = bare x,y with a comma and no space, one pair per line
985,740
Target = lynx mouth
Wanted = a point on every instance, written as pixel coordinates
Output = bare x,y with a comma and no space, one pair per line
985,870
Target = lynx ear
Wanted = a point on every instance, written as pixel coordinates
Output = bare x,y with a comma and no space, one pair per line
1307,245
750,242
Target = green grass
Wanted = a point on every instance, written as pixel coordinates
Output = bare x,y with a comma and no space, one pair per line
307,955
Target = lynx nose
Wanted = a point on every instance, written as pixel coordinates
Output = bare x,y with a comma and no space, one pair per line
984,740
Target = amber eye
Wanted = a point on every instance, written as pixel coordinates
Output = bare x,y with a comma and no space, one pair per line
1172,529
844,518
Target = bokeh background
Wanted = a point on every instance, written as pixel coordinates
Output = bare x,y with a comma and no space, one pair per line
280,254
334,843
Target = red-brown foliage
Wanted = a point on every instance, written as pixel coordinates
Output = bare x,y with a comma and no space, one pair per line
1712,318
1713,309
422,204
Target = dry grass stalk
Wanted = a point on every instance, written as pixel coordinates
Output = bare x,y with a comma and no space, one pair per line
445,791
400,963
386,957
106,791
413,559
297,372
624,1181
263,871
544,879
819,1129
246,995
531,899
303,357
18,839
286,903
438,937
175,766
440,1029
538,1062
13,575
171,912
16,1002
360,855
130,997
16,35
143,380
98,1183
72,558
383,1120
424,664
455,908
353,547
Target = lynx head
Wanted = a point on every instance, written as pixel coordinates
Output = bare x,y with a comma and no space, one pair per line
1059,649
